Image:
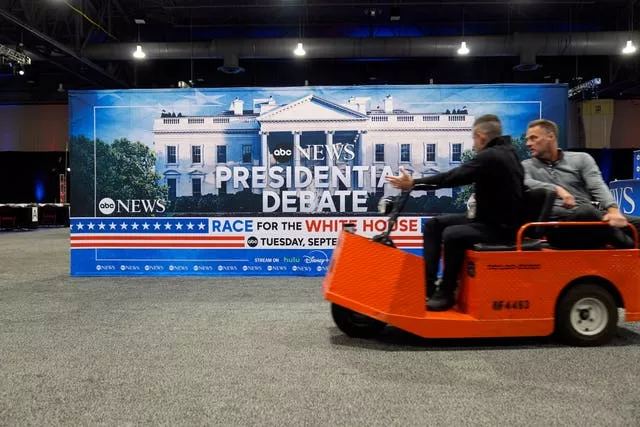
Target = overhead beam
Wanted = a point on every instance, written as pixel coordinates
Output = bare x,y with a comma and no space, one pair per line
101,13
538,44
8,16
70,70
46,57
118,5
267,5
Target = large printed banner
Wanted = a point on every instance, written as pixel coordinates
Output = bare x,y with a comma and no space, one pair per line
229,245
258,181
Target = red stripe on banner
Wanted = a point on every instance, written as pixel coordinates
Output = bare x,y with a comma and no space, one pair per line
157,245
393,237
155,237
410,245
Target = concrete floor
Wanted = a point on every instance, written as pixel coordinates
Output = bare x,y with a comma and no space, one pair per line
249,351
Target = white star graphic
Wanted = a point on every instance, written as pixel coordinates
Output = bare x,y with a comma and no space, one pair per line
190,226
134,226
201,226
167,226
90,226
101,226
112,226
179,226
123,226
79,226
71,226
156,226
145,226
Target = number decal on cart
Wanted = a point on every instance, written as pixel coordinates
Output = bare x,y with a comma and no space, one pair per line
522,304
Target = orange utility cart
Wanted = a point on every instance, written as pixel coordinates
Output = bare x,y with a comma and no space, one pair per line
509,292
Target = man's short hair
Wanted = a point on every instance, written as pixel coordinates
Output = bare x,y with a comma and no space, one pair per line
490,125
547,125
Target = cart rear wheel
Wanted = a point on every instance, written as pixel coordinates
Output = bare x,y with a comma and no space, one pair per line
354,324
587,316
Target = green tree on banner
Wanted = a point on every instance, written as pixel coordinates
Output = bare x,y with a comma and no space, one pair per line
127,171
520,144
81,160
81,157
123,170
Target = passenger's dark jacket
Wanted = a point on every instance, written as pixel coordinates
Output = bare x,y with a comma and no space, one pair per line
499,181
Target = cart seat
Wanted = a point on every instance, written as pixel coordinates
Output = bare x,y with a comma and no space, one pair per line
538,204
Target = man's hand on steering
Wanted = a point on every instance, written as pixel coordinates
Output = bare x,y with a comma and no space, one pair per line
403,181
615,218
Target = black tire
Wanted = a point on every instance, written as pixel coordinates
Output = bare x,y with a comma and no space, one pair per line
354,324
586,316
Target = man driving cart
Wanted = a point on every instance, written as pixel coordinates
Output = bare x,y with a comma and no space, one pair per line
498,176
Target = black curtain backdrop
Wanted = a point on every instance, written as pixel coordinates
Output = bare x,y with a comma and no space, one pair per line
614,163
31,177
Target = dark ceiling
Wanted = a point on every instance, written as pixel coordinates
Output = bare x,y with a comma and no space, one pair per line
60,35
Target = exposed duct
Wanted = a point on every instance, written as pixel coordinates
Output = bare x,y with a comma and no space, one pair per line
531,44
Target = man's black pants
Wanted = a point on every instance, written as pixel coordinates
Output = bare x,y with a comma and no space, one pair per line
455,233
591,237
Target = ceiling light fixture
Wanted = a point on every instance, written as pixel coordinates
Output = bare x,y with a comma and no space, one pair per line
299,50
139,53
463,49
629,48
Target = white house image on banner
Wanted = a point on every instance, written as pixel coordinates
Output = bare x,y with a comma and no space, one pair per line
191,150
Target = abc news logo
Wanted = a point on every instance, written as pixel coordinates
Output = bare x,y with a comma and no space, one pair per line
282,153
108,206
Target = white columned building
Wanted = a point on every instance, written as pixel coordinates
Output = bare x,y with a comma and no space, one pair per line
189,149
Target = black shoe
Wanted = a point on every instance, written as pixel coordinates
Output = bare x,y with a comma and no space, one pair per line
441,301
431,289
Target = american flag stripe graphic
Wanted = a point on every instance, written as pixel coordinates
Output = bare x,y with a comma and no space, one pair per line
145,244
169,233
413,241
147,237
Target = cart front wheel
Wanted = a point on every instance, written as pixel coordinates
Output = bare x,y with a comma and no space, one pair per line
354,324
